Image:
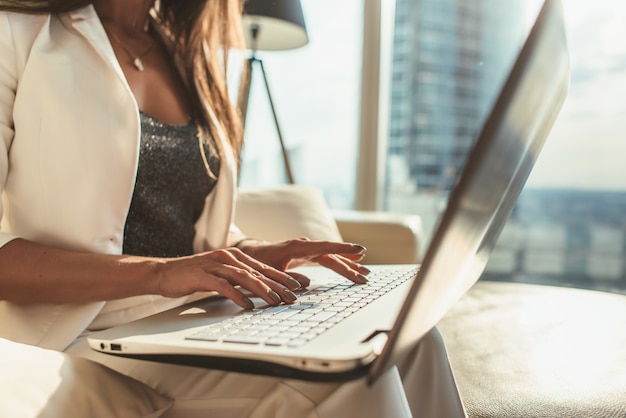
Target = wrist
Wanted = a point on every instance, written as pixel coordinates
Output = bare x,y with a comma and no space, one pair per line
243,242
250,245
145,275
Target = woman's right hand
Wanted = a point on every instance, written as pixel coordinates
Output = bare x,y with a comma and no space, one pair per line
36,273
227,271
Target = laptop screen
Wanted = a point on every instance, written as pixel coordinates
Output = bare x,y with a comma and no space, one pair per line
490,183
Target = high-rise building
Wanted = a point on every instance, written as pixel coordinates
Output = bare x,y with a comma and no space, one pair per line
449,60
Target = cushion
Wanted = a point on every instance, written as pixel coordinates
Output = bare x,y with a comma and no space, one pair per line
285,212
524,350
390,238
37,382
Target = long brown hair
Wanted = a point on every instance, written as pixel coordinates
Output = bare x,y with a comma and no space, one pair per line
203,32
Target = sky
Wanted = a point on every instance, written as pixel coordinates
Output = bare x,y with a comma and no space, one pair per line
587,146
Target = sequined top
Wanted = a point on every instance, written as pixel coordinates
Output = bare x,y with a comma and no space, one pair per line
171,186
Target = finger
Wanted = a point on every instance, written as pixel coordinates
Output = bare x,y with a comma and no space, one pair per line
341,266
278,281
224,288
306,248
353,257
350,262
253,281
301,278
279,292
235,267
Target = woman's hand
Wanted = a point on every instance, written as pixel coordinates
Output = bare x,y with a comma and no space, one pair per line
260,268
340,257
36,273
223,270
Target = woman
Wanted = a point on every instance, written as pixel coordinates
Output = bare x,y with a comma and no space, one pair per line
117,166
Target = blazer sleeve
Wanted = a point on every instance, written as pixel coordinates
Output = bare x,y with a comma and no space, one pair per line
8,88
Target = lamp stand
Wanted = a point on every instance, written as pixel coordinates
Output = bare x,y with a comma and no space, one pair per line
244,96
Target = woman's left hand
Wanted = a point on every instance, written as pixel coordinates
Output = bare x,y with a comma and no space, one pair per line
342,258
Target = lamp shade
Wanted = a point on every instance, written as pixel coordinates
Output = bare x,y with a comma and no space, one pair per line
274,25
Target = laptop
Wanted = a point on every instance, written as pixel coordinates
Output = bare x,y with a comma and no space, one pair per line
340,331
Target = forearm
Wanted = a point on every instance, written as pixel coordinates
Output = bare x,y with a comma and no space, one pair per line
34,273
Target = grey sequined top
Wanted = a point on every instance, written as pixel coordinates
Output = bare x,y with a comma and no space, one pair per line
171,187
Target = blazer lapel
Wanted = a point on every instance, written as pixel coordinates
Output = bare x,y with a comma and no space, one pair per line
87,23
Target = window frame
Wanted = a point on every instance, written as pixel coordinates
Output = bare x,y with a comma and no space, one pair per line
378,17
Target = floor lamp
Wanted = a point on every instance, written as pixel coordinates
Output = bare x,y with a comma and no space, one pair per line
270,25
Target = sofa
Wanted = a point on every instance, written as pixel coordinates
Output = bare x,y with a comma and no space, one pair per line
517,350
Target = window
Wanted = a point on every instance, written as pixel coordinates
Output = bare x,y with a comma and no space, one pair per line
568,227
316,93
446,61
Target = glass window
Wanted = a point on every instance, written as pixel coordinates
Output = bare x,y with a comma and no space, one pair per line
449,58
568,227
316,93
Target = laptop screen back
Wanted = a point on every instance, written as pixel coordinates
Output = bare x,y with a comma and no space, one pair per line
494,174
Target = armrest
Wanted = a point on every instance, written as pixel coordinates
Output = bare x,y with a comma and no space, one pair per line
389,238
529,350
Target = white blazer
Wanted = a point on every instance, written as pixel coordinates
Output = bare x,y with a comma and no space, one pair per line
70,130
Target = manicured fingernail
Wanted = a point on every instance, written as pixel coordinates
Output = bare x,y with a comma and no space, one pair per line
363,278
275,297
365,269
304,282
359,246
248,303
289,295
293,283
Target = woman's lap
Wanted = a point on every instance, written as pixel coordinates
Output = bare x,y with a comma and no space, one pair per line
422,380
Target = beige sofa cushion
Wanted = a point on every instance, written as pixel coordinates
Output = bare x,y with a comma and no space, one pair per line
292,211
285,212
36,382
389,238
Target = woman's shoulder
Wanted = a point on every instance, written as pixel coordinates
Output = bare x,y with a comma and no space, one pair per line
23,21
21,28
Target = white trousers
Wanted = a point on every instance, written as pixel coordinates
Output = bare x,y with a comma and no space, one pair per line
422,385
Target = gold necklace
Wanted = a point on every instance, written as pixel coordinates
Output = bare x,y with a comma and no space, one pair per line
137,59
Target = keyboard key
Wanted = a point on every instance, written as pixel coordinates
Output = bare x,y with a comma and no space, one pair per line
242,340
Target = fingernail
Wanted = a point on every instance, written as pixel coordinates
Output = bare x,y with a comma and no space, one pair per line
289,295
304,282
365,269
275,297
363,278
248,303
293,283
359,246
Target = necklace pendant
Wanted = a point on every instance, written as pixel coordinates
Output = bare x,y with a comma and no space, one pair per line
138,64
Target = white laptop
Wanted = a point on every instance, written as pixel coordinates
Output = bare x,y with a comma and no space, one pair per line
340,331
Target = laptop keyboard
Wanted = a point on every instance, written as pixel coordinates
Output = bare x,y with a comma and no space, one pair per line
315,311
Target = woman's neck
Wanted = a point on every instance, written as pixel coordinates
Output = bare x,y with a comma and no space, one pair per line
129,16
